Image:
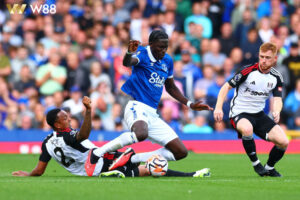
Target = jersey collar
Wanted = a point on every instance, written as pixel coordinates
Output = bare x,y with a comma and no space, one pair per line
150,54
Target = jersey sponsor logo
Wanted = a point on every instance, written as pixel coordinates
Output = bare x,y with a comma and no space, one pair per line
237,77
252,83
157,80
255,93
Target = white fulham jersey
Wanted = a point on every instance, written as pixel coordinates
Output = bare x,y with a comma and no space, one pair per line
253,88
68,152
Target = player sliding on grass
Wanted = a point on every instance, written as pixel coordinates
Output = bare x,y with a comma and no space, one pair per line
152,69
253,86
70,149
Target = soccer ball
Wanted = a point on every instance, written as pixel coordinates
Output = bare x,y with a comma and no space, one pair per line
157,165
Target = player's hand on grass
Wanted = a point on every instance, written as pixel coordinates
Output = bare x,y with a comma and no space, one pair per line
218,115
198,106
276,116
20,173
86,102
133,45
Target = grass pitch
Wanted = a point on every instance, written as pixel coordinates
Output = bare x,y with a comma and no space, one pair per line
232,178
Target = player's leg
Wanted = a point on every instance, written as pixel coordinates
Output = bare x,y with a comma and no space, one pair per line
161,133
137,121
143,171
278,137
245,128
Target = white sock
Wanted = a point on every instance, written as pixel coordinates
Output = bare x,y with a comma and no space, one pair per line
143,157
267,167
255,163
124,139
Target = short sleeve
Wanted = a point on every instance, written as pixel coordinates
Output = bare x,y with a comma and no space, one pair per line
277,91
45,156
170,66
139,54
237,79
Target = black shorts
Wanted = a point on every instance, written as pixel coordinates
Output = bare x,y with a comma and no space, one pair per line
129,170
262,123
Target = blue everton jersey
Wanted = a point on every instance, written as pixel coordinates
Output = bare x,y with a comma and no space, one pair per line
148,77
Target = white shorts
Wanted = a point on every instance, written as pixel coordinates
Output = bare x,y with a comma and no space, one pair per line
158,131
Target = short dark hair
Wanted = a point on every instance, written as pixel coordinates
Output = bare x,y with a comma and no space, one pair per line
52,116
157,35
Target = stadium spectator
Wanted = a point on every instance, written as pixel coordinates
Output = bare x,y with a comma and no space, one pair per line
51,77
97,76
21,60
264,29
39,56
250,46
25,122
6,100
214,57
198,17
11,120
167,116
58,99
202,85
241,31
227,40
292,63
292,104
26,80
75,102
39,115
103,100
198,126
97,123
5,68
190,67
72,64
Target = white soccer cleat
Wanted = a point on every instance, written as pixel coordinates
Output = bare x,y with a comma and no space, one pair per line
202,173
114,173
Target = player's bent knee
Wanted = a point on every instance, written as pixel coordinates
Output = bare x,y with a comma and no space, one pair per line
246,131
180,155
285,143
140,129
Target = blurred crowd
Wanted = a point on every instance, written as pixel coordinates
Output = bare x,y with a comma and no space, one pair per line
52,60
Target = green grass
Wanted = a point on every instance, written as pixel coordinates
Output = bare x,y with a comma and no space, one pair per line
232,178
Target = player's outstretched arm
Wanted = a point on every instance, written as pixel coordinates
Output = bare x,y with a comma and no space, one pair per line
86,127
176,94
37,171
128,60
218,113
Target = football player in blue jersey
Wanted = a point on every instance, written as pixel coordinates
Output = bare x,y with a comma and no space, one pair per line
152,69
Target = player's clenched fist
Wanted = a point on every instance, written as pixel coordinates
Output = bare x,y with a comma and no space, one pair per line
218,115
86,102
133,45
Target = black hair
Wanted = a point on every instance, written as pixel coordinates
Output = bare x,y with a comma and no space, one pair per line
157,35
52,116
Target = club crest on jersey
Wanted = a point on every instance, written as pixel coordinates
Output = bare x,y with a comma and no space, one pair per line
164,67
157,80
270,85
